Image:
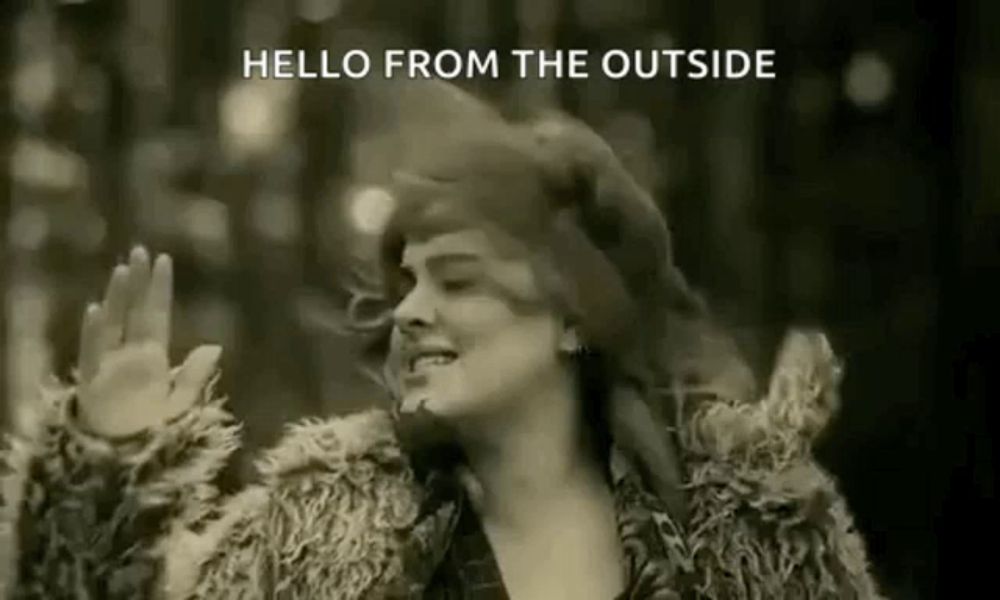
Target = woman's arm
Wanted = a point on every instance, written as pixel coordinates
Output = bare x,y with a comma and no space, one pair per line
767,519
120,458
88,518
111,496
333,518
783,534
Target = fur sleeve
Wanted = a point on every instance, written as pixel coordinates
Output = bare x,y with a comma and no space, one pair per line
766,520
329,520
86,518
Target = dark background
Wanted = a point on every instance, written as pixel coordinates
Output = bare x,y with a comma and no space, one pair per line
856,191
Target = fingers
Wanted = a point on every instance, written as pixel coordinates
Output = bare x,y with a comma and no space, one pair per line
192,377
136,324
159,300
115,309
136,309
93,321
150,293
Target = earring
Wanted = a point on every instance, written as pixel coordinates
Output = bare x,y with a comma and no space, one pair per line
570,343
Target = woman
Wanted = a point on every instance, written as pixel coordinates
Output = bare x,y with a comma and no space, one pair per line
538,332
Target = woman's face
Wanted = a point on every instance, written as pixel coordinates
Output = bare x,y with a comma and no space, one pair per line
473,333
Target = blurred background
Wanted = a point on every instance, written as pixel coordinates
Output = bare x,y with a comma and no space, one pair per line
854,191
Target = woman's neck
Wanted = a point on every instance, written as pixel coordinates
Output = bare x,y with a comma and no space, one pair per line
532,457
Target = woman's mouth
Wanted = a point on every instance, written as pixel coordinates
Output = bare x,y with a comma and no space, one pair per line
423,361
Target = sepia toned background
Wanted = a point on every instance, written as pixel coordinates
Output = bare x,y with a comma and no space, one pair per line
858,191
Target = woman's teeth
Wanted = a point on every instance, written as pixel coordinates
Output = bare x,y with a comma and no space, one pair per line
427,360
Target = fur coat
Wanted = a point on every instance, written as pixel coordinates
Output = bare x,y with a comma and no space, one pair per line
335,513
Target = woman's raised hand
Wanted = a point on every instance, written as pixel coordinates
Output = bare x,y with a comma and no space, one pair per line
125,381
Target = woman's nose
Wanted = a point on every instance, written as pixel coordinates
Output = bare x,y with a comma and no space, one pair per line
415,310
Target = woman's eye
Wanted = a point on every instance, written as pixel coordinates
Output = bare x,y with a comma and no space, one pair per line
457,284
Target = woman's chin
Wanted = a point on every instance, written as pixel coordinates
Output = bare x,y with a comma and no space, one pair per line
428,437
426,402
413,401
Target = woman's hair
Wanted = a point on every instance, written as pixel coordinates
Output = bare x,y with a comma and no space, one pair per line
548,186
551,189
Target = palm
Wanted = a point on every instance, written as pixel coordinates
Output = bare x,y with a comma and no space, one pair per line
126,384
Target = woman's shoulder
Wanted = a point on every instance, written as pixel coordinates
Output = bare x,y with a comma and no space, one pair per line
341,488
333,443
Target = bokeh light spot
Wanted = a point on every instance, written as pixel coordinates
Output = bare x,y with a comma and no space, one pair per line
869,80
